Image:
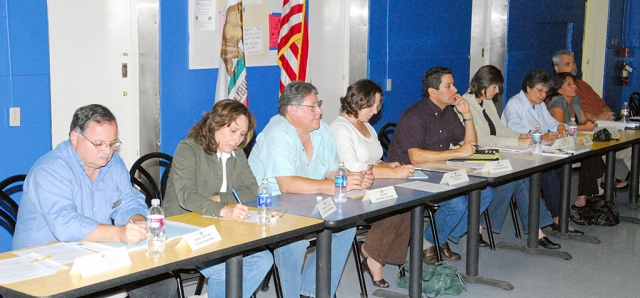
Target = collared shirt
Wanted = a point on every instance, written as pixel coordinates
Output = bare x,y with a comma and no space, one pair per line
591,101
522,118
279,152
60,202
425,126
504,136
560,102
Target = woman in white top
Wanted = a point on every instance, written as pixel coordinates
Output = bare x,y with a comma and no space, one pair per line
359,149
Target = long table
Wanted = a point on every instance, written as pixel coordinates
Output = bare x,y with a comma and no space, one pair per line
354,210
237,237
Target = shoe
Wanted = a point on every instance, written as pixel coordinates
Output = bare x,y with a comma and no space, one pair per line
449,255
429,255
576,215
615,184
482,243
377,283
556,227
548,244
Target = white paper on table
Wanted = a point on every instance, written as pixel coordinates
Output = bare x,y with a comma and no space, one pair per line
512,149
425,186
466,164
418,174
615,124
46,262
172,230
20,268
253,214
61,252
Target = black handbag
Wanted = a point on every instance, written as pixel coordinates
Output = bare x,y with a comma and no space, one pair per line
597,211
603,135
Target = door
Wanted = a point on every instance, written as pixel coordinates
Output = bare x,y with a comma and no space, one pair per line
93,49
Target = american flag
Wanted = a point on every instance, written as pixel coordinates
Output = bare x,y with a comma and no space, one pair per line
293,43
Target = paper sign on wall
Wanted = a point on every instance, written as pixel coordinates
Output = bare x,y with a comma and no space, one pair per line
497,166
381,194
455,177
101,262
200,238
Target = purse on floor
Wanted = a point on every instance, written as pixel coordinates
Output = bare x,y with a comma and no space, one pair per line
597,211
437,279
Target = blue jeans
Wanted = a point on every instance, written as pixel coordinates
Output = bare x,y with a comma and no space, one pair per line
500,205
452,216
290,259
254,269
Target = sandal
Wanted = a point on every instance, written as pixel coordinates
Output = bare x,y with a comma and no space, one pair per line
378,283
616,183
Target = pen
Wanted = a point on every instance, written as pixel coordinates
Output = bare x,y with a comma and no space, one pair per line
131,221
235,194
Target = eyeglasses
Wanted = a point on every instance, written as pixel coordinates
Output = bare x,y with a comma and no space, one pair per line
313,107
541,90
104,145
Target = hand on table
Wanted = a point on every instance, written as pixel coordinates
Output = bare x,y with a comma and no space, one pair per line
237,212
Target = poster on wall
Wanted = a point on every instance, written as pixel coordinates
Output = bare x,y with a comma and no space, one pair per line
261,20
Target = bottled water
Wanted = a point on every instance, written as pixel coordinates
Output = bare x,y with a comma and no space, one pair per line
573,128
625,112
264,202
536,138
155,228
340,194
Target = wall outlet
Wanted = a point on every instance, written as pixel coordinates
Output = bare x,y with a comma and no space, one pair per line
14,116
388,84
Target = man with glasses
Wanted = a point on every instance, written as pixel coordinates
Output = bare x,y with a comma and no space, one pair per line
296,151
80,191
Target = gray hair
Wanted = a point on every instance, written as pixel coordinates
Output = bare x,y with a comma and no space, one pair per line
90,113
294,94
558,54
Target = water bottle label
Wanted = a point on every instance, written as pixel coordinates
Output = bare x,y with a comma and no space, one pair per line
573,130
624,112
341,181
536,137
264,200
155,221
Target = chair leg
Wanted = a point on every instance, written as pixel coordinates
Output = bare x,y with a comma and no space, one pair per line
276,281
357,258
265,282
200,285
492,242
514,216
180,285
430,210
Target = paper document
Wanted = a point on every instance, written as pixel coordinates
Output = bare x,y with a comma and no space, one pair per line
172,230
616,125
513,149
466,164
20,268
425,186
418,174
61,252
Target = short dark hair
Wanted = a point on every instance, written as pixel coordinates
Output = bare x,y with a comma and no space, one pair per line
294,94
557,81
221,115
535,77
432,79
83,116
360,95
484,78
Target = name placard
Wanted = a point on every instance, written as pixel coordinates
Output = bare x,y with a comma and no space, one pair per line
381,194
564,143
200,238
326,207
455,177
497,166
615,134
101,262
586,140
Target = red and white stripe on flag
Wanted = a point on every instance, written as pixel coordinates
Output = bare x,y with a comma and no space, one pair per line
293,43
232,73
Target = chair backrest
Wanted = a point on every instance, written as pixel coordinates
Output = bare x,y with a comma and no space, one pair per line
147,171
385,135
8,207
634,104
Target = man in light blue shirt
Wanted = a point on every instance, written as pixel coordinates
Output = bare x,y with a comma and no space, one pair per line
296,151
75,191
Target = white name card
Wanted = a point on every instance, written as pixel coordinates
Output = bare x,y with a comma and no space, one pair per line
615,134
326,207
586,140
455,177
101,262
497,166
200,238
564,143
381,194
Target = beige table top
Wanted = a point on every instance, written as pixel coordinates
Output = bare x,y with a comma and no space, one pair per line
236,237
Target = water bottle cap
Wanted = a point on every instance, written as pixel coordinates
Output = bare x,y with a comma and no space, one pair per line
155,202
265,180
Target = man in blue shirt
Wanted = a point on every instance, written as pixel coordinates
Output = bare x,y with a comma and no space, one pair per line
74,192
296,151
